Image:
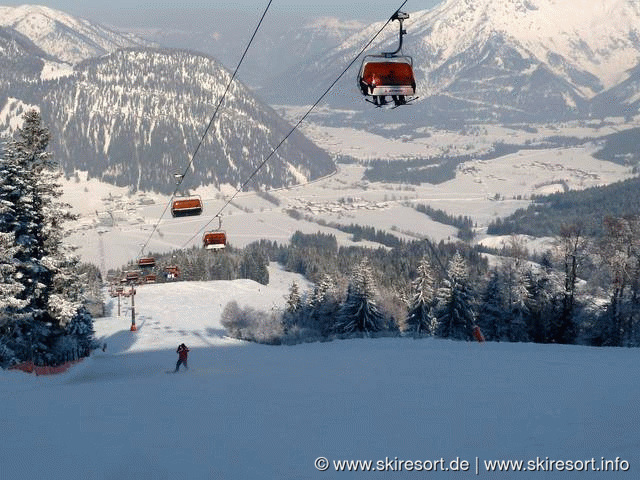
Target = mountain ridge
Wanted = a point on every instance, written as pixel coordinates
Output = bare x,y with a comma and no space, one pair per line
133,116
67,38
526,60
137,114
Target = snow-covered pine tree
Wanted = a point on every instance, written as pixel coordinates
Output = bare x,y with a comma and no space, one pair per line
420,319
324,305
15,223
294,301
293,309
544,324
454,311
10,290
254,263
322,290
45,267
518,300
359,312
79,336
17,227
491,314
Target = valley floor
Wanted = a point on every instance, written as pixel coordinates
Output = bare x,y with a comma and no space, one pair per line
114,223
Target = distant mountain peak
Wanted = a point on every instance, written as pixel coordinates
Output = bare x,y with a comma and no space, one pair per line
502,59
65,37
133,118
599,37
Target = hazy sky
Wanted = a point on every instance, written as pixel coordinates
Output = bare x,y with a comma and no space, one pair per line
153,13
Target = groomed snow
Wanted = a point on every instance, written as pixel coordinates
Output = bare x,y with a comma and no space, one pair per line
247,411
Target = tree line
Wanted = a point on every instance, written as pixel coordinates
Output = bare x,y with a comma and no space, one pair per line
464,224
547,214
585,290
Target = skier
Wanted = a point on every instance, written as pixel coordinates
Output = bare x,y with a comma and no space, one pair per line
183,353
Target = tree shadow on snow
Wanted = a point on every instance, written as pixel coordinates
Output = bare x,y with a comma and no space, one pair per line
216,332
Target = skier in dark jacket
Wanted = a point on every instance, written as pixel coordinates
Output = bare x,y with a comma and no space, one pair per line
183,353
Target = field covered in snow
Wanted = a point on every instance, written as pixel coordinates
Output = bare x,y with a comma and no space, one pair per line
247,411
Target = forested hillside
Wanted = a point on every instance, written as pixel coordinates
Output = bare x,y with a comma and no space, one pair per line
547,214
134,117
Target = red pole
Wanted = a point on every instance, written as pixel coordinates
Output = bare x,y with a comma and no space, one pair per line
477,333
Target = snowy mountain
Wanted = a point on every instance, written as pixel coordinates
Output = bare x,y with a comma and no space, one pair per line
134,117
590,44
64,37
624,98
319,35
504,58
20,59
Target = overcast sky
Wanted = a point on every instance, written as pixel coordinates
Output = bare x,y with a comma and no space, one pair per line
127,13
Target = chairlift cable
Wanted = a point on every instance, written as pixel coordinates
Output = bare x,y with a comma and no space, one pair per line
206,130
295,127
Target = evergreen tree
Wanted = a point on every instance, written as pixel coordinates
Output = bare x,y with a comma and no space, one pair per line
50,293
324,305
293,309
540,314
420,319
80,330
10,289
454,311
491,314
322,290
16,224
359,312
518,306
294,301
254,264
18,221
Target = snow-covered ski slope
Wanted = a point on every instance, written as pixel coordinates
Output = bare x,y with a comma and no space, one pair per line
247,411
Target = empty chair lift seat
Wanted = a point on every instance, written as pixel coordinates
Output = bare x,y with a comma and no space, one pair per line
182,207
214,240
